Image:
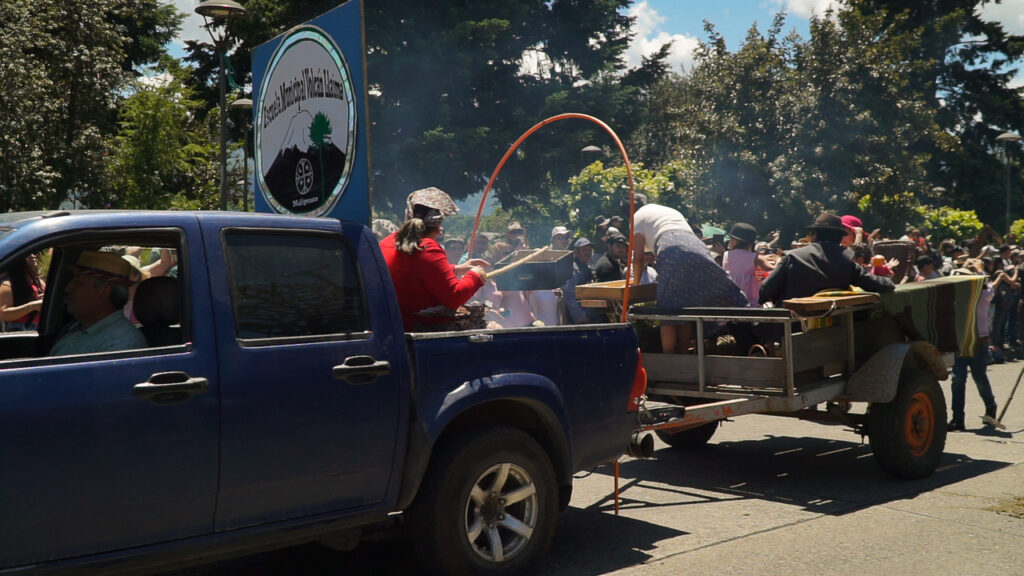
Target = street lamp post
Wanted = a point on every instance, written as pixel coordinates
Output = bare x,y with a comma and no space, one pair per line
244,104
1006,138
217,14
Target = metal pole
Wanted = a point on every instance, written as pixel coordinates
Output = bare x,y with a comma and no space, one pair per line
1006,138
245,169
223,131
1006,159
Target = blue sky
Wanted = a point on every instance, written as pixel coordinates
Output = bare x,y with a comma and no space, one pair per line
683,20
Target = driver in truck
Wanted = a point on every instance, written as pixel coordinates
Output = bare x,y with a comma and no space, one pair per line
95,296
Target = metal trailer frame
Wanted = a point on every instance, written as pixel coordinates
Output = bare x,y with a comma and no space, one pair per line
813,367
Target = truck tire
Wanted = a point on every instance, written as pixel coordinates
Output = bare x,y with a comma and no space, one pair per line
488,505
689,439
908,434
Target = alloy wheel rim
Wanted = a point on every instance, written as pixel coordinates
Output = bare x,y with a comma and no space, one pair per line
501,512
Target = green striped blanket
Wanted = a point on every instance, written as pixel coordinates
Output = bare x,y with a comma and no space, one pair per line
943,310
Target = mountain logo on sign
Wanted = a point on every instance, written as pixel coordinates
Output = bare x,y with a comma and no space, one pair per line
308,165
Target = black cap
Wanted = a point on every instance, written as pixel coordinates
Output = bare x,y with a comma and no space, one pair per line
829,221
743,232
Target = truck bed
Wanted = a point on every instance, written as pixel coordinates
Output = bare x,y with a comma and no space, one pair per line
593,366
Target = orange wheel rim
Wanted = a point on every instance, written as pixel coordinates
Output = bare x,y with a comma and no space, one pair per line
919,425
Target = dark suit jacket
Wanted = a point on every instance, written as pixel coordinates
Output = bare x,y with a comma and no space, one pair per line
608,269
818,266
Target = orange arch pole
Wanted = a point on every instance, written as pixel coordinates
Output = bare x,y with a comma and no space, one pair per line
629,177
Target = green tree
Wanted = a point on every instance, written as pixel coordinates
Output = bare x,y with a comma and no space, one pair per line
784,128
1017,229
600,190
162,153
945,222
966,65
319,134
454,84
64,66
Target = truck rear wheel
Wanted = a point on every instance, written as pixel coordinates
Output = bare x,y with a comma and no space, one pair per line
488,504
689,439
908,434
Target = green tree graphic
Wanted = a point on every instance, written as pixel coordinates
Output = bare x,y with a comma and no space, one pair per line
319,131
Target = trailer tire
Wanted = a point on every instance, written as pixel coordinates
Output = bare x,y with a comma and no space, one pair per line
464,511
689,439
908,434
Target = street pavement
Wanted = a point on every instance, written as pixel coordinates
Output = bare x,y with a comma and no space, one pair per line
774,495
768,496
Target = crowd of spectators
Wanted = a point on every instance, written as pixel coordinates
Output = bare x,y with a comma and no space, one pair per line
733,269
600,255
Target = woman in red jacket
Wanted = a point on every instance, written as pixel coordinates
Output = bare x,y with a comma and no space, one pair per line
419,267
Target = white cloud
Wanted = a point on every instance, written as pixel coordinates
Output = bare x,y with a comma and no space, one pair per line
1010,13
805,8
648,38
192,26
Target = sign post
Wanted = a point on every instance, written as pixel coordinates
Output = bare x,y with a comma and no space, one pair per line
310,119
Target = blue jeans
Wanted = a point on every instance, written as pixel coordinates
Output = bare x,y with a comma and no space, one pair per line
979,367
19,326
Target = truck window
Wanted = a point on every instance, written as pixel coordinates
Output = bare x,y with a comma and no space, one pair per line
76,298
293,285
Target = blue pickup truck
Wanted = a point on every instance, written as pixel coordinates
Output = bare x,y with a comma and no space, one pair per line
279,401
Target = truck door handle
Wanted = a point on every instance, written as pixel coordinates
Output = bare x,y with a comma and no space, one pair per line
170,388
361,369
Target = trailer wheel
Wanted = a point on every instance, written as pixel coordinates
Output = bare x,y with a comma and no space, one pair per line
689,439
488,505
908,434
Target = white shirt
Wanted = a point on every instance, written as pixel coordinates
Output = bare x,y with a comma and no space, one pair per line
653,220
544,304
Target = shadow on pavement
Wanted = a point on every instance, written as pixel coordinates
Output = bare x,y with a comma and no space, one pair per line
824,476
594,541
995,432
574,549
392,557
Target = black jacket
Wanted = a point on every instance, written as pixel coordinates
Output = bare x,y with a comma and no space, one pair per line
608,269
816,267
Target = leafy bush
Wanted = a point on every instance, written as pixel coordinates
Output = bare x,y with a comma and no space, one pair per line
1017,230
599,189
946,222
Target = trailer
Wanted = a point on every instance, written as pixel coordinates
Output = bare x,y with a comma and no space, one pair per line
867,362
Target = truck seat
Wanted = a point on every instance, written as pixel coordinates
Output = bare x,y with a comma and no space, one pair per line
156,307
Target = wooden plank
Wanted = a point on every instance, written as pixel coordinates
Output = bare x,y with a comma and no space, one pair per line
811,305
819,347
735,370
613,291
594,303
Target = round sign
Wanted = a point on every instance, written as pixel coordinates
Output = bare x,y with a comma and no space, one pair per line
305,125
